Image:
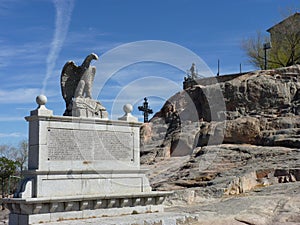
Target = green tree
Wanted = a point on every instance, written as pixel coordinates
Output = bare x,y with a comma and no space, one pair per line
254,49
5,151
7,168
285,39
18,154
22,155
14,159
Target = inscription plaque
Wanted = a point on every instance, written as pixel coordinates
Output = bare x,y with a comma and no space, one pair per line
69,144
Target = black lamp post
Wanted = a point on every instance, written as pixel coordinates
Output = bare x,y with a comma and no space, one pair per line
266,46
146,110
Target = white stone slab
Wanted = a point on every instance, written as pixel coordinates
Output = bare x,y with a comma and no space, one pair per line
64,143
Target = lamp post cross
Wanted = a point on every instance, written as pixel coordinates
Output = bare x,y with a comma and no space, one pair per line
146,110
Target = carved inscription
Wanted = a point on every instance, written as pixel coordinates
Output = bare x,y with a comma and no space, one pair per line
64,144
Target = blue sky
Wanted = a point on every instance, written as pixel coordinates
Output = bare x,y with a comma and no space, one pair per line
37,37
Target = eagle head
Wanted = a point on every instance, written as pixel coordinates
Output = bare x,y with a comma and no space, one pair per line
94,56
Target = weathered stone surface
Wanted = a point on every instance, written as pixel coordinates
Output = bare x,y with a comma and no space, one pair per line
3,216
153,142
226,169
242,130
242,170
86,107
232,184
277,204
262,108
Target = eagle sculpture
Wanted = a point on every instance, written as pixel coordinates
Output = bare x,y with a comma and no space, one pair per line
76,81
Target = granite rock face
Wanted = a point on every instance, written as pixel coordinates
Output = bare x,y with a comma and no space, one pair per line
240,165
232,184
260,108
227,169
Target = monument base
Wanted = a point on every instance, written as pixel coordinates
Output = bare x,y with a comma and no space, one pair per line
85,107
86,182
41,210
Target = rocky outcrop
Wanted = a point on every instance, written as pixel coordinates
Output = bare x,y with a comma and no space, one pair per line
276,204
260,108
239,155
227,169
232,184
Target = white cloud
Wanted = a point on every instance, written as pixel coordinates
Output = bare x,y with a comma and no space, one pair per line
11,118
63,18
13,135
20,95
20,55
89,36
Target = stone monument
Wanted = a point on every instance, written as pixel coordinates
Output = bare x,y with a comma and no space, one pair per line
81,167
192,76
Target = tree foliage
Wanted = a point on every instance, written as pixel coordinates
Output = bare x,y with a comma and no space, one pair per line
7,168
254,49
13,160
285,39
18,154
22,155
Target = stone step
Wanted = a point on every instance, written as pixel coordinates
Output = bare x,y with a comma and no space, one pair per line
167,218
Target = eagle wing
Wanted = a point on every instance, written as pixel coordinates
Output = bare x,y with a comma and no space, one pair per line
93,73
69,80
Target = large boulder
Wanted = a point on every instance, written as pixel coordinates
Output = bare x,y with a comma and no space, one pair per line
247,109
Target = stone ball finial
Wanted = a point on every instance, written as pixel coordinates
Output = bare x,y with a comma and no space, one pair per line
128,117
41,100
127,108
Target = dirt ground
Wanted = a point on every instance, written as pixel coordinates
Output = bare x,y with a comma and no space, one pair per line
3,216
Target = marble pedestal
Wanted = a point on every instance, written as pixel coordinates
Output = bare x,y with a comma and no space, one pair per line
81,168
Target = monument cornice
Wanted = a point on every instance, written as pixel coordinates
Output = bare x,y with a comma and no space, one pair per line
86,120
